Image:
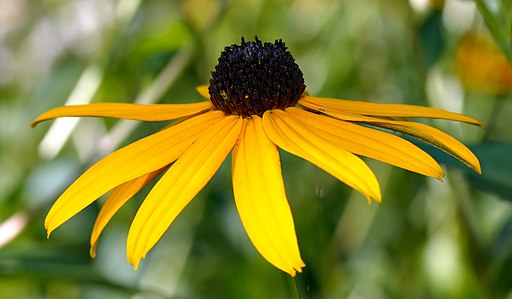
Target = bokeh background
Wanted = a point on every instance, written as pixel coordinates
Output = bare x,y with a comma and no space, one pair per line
428,239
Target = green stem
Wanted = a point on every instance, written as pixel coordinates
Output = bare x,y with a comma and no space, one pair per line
290,286
497,107
497,31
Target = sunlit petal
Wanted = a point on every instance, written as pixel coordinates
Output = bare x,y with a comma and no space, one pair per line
428,134
115,200
182,181
436,138
139,158
261,199
369,142
383,110
292,136
156,112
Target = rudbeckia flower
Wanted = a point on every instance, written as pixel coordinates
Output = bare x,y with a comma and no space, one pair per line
255,103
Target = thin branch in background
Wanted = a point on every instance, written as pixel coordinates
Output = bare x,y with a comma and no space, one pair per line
499,33
160,85
87,84
290,286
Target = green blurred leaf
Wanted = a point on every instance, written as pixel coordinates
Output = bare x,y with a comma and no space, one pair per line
496,168
501,250
496,165
431,36
498,24
154,63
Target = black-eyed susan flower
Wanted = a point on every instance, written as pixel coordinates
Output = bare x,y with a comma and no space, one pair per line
255,103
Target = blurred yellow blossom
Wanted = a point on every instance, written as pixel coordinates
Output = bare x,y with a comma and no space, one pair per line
481,65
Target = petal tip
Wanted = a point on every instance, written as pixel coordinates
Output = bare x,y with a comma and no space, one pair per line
49,230
92,251
296,269
439,176
377,196
476,166
203,91
136,265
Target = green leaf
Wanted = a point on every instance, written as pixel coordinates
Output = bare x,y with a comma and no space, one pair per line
496,168
431,37
496,165
498,24
290,286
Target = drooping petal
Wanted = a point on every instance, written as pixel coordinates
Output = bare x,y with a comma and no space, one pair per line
139,158
145,112
203,91
116,199
368,142
383,110
426,133
182,181
261,199
436,138
292,136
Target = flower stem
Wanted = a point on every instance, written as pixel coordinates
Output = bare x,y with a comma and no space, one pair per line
290,286
499,34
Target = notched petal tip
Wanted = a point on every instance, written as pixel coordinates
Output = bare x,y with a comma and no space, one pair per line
292,273
133,261
293,136
261,199
441,176
49,228
296,269
375,194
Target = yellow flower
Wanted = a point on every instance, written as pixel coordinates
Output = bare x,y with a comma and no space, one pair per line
482,66
255,103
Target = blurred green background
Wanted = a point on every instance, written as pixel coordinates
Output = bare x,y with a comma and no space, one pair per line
428,239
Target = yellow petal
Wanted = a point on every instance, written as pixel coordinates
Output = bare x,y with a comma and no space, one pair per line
182,181
383,110
261,199
292,136
426,133
139,158
203,91
369,142
156,112
116,199
436,138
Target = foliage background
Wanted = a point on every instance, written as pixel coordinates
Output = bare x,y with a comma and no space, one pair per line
428,239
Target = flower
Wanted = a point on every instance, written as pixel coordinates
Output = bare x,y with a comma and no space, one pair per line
256,102
482,66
